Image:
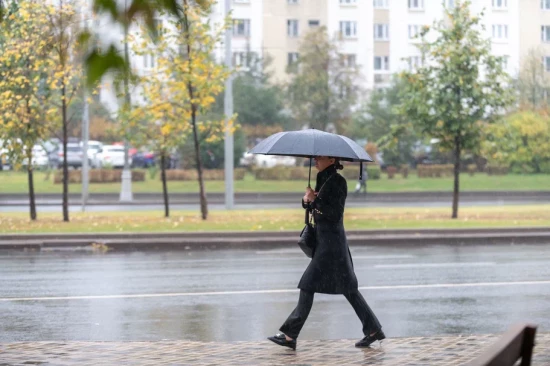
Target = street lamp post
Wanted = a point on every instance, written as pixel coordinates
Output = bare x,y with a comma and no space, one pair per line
228,110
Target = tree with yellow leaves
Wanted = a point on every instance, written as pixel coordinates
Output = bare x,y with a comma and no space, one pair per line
25,84
181,87
64,23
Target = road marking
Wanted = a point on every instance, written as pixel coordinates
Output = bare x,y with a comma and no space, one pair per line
255,292
436,265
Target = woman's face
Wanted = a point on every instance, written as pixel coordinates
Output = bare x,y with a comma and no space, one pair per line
323,162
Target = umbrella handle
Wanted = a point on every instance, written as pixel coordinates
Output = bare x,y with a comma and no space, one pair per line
309,179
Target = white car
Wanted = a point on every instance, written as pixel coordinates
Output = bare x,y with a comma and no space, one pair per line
94,147
112,155
39,157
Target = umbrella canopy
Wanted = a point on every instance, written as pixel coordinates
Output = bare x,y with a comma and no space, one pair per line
310,143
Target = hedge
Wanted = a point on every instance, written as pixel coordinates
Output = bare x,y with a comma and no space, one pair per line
207,174
496,169
350,172
435,170
99,176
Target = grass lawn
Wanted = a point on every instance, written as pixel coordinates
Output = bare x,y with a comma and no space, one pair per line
16,182
276,219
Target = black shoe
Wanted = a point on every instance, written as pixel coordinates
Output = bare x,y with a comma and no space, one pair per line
280,339
368,340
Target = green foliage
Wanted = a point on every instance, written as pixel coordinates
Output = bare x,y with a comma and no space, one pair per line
379,121
256,100
460,85
322,89
99,63
520,141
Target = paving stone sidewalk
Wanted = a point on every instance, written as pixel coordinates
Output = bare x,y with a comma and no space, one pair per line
396,351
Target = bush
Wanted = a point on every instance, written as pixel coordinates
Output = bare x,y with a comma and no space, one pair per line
99,176
435,170
472,168
405,171
207,174
544,167
275,173
496,169
374,171
153,171
391,170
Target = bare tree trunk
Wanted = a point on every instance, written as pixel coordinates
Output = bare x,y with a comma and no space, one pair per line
65,167
457,175
32,202
164,187
198,161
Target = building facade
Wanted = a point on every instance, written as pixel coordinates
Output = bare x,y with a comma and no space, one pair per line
376,35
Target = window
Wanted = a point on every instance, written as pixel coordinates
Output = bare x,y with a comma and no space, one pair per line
381,4
414,30
416,4
148,61
500,31
348,60
545,4
348,29
292,58
381,63
415,62
546,61
313,23
292,27
292,2
157,23
241,27
500,4
382,32
240,59
545,33
348,2
505,62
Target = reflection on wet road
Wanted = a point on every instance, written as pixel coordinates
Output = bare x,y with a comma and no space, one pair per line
234,295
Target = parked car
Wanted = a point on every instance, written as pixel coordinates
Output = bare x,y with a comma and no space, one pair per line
94,147
74,155
4,159
113,156
39,158
52,148
143,159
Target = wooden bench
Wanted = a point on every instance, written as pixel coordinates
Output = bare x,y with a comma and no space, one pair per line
516,343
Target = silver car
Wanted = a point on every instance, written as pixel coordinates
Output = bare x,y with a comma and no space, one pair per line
74,156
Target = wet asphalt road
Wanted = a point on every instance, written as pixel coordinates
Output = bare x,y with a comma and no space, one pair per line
246,295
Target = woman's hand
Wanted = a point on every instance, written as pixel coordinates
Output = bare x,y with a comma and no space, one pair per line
310,195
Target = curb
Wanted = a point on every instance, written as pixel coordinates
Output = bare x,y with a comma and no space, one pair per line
19,199
263,240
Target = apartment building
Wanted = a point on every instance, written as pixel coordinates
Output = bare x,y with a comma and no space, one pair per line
376,35
534,18
285,22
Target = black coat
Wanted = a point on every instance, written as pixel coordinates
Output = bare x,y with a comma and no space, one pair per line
331,268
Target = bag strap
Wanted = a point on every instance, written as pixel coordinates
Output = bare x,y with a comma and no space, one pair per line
307,218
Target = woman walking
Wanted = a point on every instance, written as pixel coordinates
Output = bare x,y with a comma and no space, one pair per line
331,269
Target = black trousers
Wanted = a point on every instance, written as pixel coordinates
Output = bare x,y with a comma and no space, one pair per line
296,320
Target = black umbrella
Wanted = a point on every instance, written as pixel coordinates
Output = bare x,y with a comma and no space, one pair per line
310,143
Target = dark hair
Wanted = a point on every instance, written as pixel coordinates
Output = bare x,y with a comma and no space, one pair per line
337,164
